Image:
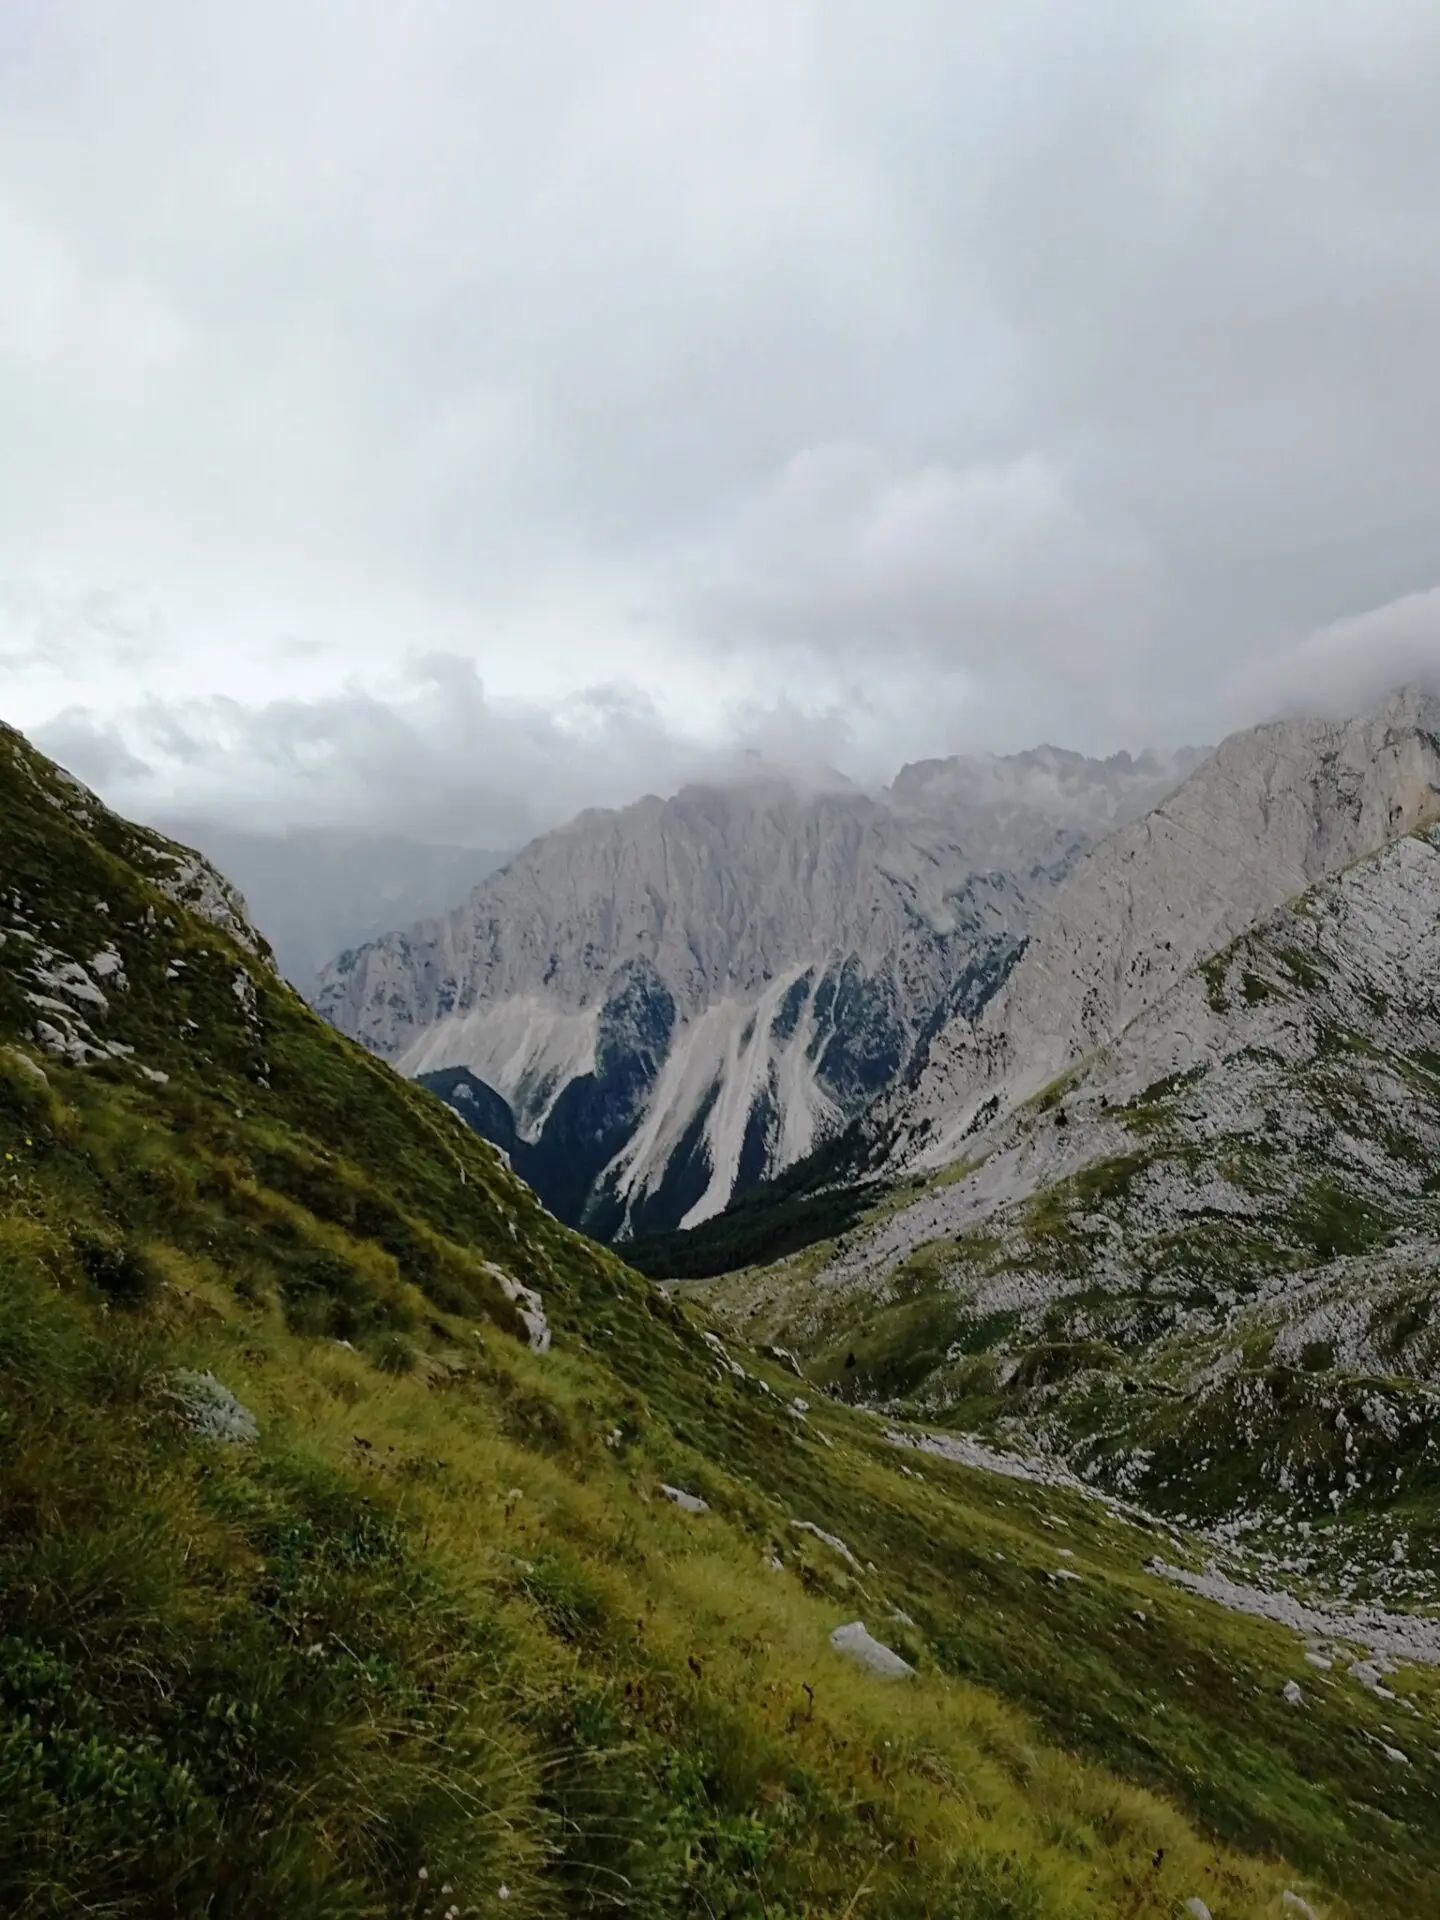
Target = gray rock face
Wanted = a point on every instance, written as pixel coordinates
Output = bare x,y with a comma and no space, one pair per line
687,996
1242,1050
1269,813
184,876
857,1643
1203,1271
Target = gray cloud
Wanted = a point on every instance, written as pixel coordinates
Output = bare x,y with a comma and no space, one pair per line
989,573
1351,664
436,757
838,380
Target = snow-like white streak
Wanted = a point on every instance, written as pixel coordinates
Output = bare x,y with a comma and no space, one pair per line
807,1112
529,1050
729,1057
526,1048
686,1081
744,1074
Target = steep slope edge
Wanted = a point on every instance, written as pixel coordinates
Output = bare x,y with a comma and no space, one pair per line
316,891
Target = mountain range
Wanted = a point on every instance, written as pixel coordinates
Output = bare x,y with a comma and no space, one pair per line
655,1010
1272,811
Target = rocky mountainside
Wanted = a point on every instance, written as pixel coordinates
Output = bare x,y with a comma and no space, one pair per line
1203,1265
315,892
680,999
1269,813
370,1544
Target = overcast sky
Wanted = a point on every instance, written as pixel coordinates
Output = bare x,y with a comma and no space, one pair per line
457,413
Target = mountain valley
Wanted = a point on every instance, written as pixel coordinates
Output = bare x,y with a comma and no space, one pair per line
1058,1538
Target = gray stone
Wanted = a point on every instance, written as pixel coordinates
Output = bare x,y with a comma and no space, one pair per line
861,1646
211,1409
687,1502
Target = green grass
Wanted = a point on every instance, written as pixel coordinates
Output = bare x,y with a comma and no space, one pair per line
434,1620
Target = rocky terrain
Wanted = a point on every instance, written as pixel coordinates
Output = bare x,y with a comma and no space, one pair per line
1269,813
1197,1258
682,999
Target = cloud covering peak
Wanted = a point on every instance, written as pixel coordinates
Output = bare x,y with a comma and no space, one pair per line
633,386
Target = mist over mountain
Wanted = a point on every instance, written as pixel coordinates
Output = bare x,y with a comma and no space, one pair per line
609,1307
369,1540
314,892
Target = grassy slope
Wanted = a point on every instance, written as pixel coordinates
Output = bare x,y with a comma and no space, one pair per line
441,1618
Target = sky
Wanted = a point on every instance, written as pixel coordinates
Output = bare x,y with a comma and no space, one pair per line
450,416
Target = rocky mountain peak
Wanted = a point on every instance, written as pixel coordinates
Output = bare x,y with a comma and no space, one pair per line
1271,811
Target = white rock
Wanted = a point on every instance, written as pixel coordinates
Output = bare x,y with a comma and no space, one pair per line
528,1303
1292,1694
859,1645
190,881
831,1540
687,1502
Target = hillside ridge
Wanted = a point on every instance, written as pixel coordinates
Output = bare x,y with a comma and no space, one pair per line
1200,1267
